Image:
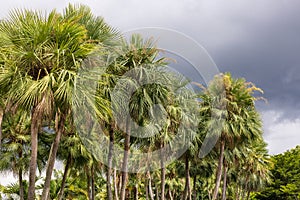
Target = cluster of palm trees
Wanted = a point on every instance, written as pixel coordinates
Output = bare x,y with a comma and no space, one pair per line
43,59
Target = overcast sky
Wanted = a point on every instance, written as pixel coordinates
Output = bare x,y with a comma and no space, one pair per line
255,39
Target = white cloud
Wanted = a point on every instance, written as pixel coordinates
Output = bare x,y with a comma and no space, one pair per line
6,179
280,134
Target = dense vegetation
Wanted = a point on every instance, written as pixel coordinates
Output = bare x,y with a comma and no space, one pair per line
285,181
43,59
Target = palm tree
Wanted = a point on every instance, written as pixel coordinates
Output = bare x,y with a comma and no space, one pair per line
235,106
76,156
191,157
28,57
15,152
254,168
25,70
43,54
67,154
152,85
133,56
16,139
97,30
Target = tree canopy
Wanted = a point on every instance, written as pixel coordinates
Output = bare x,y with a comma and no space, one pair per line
285,183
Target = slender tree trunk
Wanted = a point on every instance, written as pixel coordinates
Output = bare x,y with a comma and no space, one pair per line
35,125
109,167
119,183
163,173
63,182
1,118
187,189
88,183
224,181
136,192
156,192
150,186
33,157
127,194
147,188
93,182
125,161
237,194
248,195
219,171
21,184
163,180
115,185
170,194
195,187
60,121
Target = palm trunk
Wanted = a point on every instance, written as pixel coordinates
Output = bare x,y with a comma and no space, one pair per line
156,192
109,169
170,195
248,195
63,182
147,188
115,185
1,118
187,190
33,157
147,192
209,194
163,173
93,182
237,194
127,194
150,186
224,181
21,184
163,180
136,192
125,161
119,183
34,129
51,161
88,177
219,171
194,187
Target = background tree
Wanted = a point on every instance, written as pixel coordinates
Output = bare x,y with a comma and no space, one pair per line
14,153
230,102
285,179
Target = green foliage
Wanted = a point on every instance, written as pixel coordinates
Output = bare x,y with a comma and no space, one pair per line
285,184
11,191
